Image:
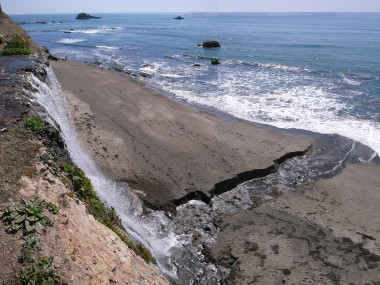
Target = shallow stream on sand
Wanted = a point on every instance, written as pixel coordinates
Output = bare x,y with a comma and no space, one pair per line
176,240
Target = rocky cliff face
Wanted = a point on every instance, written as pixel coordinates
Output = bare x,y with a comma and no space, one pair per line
84,250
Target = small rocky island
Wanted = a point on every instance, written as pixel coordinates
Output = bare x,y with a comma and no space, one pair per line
178,18
85,16
211,44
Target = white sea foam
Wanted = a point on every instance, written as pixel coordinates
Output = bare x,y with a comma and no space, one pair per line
70,41
350,81
108,47
91,31
112,28
279,98
308,113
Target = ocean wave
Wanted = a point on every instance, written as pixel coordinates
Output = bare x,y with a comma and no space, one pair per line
112,28
274,66
351,81
92,31
357,79
253,64
70,41
108,47
259,97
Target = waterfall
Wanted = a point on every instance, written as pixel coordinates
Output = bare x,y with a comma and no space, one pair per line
118,195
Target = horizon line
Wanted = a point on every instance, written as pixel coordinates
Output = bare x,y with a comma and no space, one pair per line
242,12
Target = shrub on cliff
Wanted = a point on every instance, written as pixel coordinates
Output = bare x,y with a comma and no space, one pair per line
16,46
35,124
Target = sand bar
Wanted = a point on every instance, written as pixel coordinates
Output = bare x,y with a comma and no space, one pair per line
169,151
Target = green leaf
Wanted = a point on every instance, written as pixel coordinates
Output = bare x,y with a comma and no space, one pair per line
19,219
39,227
32,218
28,226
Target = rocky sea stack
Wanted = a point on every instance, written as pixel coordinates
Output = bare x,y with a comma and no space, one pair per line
85,16
211,44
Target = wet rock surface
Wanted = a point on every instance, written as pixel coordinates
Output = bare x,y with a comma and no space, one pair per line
15,104
211,44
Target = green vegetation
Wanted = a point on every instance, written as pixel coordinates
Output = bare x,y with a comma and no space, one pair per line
84,190
145,210
30,245
40,271
82,187
52,208
35,124
16,46
17,42
15,51
27,215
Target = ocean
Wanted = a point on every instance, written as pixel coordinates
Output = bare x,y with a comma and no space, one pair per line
312,71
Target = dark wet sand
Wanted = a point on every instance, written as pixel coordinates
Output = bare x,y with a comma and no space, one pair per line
169,151
325,232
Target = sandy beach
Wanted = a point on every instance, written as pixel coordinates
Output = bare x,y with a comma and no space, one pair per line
325,232
169,151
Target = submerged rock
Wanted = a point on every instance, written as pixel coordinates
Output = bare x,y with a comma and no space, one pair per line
84,16
214,61
211,44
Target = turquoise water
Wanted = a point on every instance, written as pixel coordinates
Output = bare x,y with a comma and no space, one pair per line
312,71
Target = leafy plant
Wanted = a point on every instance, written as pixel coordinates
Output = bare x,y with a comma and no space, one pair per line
30,245
26,214
52,208
32,242
41,271
35,124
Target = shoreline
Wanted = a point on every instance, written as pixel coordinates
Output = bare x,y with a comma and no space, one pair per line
168,150
264,243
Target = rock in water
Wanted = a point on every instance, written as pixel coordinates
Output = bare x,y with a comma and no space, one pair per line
211,44
178,18
84,16
214,61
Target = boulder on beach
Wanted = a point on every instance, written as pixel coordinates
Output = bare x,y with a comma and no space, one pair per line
211,44
178,18
85,16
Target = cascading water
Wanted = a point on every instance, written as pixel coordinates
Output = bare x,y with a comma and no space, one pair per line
177,257
117,195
